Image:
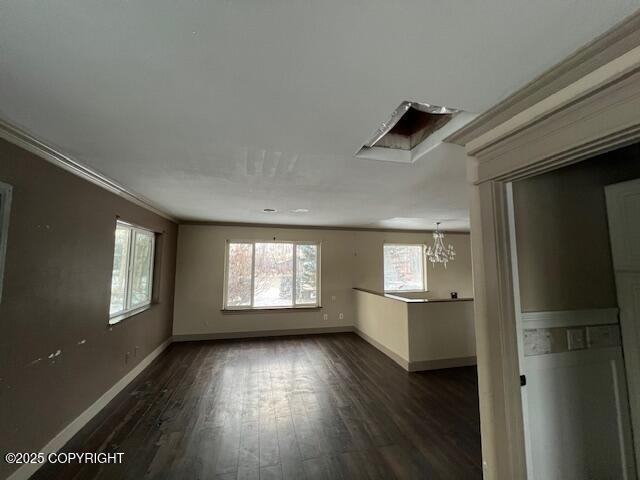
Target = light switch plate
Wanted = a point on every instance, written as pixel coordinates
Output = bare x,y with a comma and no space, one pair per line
576,339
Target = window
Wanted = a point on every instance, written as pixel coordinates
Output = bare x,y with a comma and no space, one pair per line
404,269
132,276
5,205
265,274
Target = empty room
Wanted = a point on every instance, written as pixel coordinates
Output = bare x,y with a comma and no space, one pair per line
320,240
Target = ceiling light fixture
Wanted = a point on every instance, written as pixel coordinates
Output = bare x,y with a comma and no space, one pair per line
269,210
300,210
438,253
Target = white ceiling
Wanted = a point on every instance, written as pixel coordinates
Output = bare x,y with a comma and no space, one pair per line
215,110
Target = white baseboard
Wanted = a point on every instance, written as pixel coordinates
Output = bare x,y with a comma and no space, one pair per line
419,365
260,333
57,442
422,365
389,353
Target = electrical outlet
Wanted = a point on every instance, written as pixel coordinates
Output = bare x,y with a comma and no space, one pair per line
126,357
341,316
325,316
333,298
135,351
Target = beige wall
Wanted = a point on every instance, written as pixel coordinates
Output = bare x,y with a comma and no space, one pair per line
418,336
56,297
440,281
441,330
349,259
200,281
386,322
564,256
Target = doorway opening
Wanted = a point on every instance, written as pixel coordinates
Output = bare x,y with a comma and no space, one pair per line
578,349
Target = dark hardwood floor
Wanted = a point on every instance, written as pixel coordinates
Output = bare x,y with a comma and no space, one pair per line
319,406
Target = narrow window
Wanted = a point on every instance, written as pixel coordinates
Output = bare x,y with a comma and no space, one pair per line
266,274
404,268
5,206
132,275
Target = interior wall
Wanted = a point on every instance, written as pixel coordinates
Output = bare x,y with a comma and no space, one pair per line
350,258
562,235
58,353
385,322
441,330
440,281
200,281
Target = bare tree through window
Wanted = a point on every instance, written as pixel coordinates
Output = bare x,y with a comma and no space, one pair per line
404,268
272,274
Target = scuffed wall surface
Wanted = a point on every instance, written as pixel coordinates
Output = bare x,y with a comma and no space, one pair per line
57,352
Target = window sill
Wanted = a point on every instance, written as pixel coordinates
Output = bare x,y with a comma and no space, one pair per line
119,318
268,309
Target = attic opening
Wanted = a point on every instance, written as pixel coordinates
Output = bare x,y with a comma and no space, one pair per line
408,126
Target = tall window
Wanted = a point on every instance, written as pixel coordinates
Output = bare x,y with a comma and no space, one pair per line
264,274
132,277
404,269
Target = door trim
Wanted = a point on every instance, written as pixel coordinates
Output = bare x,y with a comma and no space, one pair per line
597,117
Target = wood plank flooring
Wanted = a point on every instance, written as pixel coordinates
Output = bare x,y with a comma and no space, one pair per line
304,407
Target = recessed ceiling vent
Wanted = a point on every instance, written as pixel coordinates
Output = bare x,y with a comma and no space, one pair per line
409,126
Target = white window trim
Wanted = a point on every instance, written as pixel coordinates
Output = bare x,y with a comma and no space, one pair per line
424,266
130,310
318,303
6,192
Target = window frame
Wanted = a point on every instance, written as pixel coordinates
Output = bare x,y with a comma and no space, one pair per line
424,267
6,192
294,306
130,310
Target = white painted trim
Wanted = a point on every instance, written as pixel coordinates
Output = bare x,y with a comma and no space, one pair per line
393,155
547,136
611,44
515,278
6,191
260,333
570,318
30,143
599,78
57,442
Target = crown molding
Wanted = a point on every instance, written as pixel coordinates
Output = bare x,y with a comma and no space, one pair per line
214,223
595,114
52,155
622,38
589,85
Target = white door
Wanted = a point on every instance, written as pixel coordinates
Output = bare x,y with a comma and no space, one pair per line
575,401
623,209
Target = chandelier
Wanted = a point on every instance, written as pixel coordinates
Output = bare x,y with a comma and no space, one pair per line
438,253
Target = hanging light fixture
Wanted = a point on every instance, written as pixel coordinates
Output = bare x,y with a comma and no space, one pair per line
438,253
